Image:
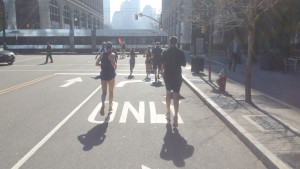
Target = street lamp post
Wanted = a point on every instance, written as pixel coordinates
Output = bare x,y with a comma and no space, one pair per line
72,45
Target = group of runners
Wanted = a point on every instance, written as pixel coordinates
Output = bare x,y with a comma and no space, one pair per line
153,61
167,62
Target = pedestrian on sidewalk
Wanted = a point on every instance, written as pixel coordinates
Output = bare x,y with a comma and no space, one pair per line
234,53
132,56
172,60
148,61
49,52
108,66
157,60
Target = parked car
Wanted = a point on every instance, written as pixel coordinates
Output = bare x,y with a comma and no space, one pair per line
7,56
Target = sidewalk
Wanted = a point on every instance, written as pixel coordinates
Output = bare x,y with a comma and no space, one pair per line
270,128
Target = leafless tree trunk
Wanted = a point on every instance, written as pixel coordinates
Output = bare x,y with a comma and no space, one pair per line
250,53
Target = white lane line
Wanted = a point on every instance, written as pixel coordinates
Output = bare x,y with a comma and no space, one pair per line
54,65
28,59
49,135
91,74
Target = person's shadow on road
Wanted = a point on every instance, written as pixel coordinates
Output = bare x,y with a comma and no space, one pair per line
175,147
95,136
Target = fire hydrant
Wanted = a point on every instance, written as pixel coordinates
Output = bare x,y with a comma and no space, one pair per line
221,81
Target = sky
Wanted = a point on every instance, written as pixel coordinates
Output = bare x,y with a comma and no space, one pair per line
115,5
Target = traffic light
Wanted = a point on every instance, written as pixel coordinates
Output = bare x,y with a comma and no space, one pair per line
136,16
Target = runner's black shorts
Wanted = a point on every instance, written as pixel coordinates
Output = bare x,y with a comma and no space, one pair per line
156,65
173,84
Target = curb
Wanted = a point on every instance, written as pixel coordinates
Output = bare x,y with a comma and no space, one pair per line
260,151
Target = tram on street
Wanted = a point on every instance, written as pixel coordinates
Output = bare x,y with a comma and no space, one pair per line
79,40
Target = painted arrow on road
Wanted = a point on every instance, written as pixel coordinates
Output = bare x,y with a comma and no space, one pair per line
71,81
144,167
121,84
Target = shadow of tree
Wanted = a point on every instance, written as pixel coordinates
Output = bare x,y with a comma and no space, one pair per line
95,136
175,147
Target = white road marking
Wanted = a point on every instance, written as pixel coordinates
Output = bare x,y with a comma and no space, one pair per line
91,74
122,84
28,59
92,117
139,115
52,132
71,81
156,118
144,167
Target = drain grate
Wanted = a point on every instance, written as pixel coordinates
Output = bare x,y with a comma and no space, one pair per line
264,123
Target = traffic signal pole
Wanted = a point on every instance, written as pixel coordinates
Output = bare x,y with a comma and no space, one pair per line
142,15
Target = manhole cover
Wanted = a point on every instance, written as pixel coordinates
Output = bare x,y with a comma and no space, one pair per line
264,123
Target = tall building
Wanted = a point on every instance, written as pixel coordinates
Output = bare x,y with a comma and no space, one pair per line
106,13
54,14
173,14
147,23
125,18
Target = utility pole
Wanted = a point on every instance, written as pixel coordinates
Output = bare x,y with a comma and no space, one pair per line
4,21
179,21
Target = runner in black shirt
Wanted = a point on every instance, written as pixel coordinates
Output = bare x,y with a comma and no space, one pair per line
132,56
172,60
157,60
107,62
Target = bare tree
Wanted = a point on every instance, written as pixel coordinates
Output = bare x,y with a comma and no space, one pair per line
230,14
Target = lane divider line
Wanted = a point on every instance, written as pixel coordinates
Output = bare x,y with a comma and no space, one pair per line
52,132
28,59
10,89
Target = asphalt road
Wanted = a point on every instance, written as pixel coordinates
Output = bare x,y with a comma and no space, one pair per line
49,119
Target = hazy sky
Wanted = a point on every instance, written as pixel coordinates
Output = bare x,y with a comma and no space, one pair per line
115,5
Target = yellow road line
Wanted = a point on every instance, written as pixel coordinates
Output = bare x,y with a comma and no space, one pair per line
25,84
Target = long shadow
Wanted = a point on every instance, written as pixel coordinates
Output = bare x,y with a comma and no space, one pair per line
96,77
95,136
175,147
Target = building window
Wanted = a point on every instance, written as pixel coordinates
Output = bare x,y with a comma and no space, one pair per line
94,23
83,21
98,24
67,17
90,21
54,14
27,14
76,19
